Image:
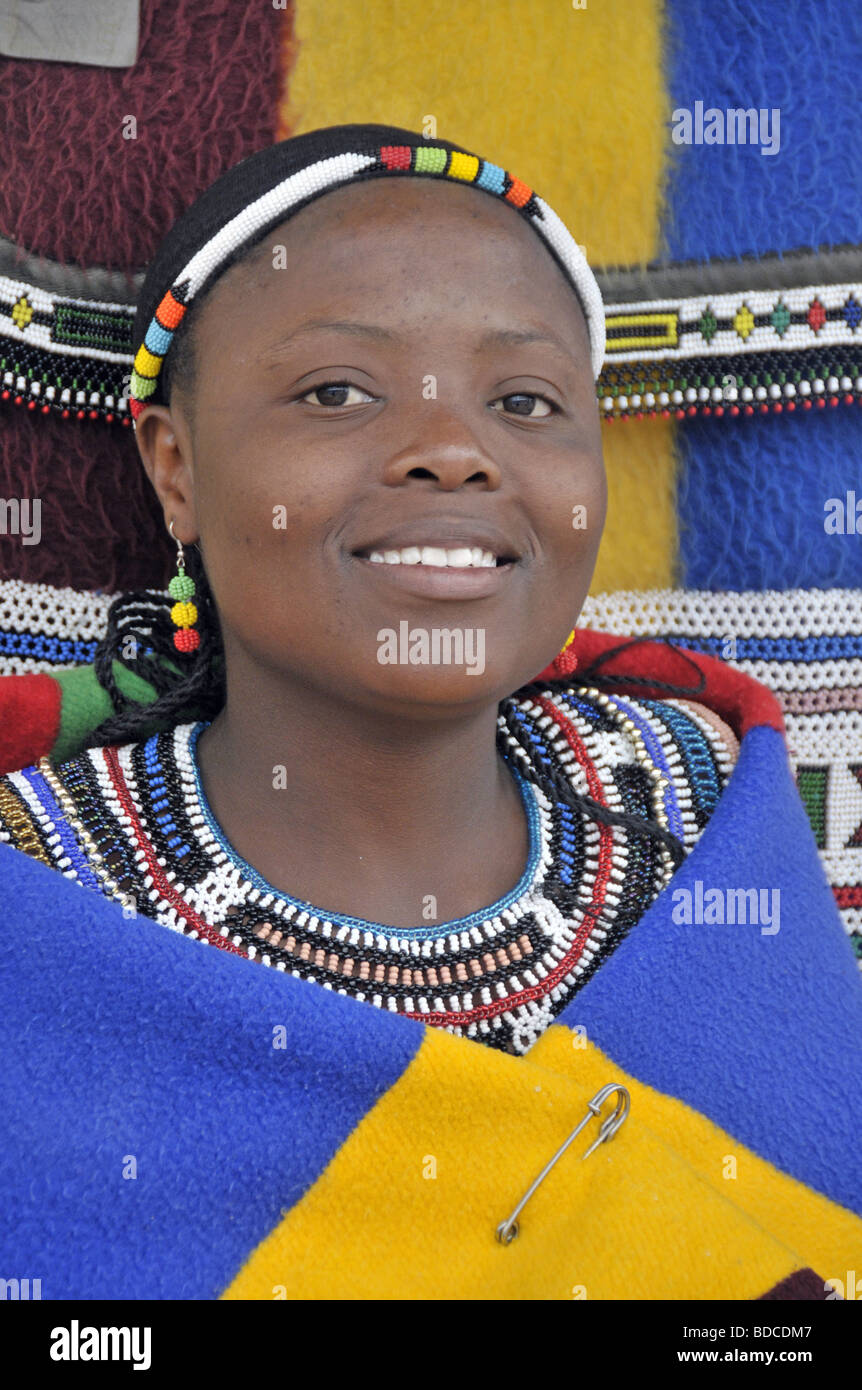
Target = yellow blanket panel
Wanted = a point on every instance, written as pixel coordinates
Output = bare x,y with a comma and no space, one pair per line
447,1153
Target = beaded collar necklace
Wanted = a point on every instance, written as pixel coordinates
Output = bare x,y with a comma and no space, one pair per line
500,973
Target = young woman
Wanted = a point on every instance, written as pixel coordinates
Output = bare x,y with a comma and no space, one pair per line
364,393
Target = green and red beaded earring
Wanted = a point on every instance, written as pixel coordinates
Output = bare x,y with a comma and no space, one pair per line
184,613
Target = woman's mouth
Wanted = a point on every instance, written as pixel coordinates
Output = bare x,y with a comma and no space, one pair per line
440,571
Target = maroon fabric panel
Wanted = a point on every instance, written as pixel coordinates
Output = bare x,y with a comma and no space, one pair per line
102,526
804,1285
205,91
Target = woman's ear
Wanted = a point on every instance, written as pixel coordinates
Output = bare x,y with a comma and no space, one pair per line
165,449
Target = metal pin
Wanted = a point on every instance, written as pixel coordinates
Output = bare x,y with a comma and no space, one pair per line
507,1230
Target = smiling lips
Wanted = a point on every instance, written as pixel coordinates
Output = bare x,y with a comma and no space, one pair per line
447,543
442,558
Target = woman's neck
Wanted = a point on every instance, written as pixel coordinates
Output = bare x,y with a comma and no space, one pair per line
406,822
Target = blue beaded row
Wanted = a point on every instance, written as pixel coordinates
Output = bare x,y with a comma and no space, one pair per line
837,648
694,746
160,801
569,840
68,839
44,648
535,736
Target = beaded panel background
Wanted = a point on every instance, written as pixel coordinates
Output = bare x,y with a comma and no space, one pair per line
804,644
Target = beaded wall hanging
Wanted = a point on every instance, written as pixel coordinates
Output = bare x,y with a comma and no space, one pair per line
69,356
733,339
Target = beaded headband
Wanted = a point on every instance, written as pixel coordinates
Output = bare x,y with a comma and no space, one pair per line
272,185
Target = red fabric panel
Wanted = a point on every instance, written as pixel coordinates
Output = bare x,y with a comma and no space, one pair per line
205,93
29,719
741,701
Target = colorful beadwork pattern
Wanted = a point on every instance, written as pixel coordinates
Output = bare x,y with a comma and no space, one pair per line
744,353
806,646
134,822
803,644
64,355
733,355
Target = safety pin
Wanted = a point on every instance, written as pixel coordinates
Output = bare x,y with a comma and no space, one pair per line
507,1230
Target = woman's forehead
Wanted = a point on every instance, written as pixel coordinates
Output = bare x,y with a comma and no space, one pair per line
320,242
422,200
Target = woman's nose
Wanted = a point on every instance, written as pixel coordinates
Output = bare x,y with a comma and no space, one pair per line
447,452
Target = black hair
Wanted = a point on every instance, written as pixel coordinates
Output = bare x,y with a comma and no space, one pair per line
139,635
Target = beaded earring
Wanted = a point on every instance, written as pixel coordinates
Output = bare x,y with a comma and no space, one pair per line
563,664
566,661
184,613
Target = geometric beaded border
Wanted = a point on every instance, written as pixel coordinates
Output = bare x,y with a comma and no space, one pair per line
749,352
733,387
742,353
64,355
740,322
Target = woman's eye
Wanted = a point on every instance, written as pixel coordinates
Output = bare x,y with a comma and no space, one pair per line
524,402
332,393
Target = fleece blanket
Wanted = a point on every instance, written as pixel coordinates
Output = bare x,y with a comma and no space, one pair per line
180,1124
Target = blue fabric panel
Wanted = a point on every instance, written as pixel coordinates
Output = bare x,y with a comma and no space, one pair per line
121,1038
752,492
804,59
751,500
703,1013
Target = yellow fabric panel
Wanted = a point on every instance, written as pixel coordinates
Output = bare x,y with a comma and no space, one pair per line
571,101
639,545
409,1205
827,1235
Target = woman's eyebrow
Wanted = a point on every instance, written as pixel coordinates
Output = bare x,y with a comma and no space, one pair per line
516,337
276,351
493,337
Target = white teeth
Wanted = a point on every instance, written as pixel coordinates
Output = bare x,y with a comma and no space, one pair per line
432,556
462,557
459,559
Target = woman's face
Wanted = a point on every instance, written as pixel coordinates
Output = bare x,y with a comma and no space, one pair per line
464,419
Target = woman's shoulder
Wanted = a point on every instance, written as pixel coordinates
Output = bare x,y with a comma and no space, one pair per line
619,739
676,720
717,732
